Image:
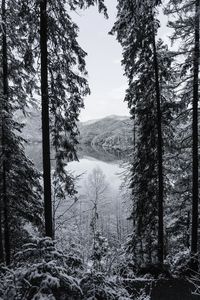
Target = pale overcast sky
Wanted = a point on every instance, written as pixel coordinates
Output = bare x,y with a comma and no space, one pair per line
105,78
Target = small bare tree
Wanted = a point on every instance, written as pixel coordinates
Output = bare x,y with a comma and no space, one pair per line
96,188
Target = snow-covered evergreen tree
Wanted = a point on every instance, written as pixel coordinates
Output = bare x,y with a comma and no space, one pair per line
185,23
63,76
136,28
40,272
19,187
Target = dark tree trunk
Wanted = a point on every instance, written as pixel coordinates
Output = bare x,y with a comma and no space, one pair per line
4,171
1,163
186,240
159,154
1,234
6,222
1,171
195,194
45,120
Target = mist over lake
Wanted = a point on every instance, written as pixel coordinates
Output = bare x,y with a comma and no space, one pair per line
89,157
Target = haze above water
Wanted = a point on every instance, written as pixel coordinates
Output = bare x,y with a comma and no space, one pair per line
89,158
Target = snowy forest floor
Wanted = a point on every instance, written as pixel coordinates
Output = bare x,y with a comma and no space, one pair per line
162,289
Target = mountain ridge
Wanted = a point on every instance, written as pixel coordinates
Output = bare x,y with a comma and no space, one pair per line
113,132
91,121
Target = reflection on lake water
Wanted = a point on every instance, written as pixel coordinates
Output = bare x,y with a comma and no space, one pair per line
73,219
89,158
100,153
96,157
87,164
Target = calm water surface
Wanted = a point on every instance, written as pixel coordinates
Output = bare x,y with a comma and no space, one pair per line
89,158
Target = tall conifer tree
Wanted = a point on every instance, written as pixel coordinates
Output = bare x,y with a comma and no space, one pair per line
1,162
4,125
45,120
63,86
20,185
148,68
186,29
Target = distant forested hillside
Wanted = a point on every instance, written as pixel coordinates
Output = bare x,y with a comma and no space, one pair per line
112,132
